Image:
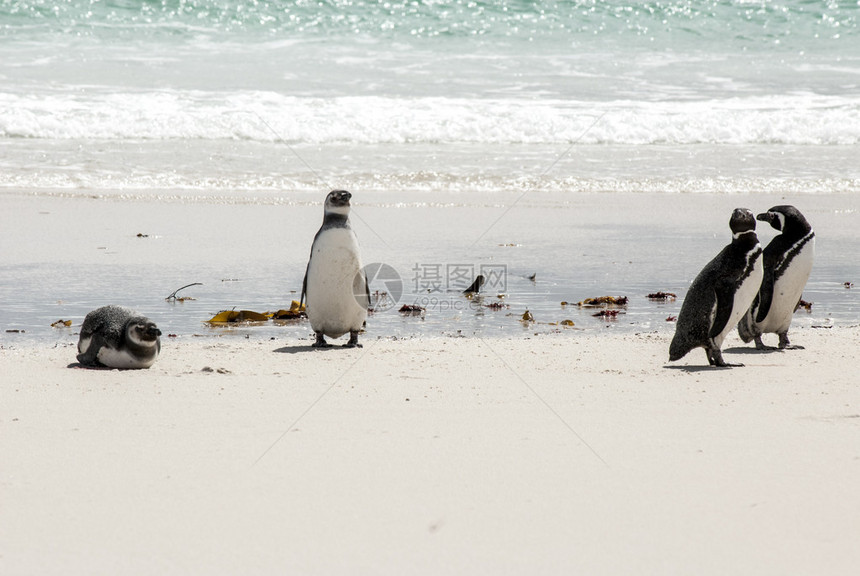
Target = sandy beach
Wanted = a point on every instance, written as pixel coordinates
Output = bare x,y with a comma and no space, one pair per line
544,455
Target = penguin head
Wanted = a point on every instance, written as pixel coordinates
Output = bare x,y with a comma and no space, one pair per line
785,219
741,222
142,332
337,202
774,217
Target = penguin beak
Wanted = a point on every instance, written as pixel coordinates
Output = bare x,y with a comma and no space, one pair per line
763,217
152,331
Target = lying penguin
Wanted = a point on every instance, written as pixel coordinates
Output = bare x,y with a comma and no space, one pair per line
787,264
721,293
335,284
116,337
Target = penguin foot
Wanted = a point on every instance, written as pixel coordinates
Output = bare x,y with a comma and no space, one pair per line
320,342
353,340
715,358
759,345
784,344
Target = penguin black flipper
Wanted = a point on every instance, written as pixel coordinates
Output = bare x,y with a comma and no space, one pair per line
765,294
304,285
725,302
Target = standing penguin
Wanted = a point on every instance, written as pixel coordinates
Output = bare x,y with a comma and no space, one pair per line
787,264
117,337
721,293
335,284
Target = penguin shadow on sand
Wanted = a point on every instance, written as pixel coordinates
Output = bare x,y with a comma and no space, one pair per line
80,366
307,348
693,368
763,352
751,351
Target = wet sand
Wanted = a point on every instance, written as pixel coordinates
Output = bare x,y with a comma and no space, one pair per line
73,253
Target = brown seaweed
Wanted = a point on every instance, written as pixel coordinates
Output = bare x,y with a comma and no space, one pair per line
604,301
662,296
412,309
607,314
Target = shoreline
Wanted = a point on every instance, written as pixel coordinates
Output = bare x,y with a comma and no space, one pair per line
73,255
455,455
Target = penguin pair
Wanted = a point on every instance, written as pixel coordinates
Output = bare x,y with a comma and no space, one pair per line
755,289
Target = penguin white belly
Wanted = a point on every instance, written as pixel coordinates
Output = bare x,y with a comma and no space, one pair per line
787,291
113,358
335,285
744,296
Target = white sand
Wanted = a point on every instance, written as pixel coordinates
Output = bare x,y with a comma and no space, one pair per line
562,454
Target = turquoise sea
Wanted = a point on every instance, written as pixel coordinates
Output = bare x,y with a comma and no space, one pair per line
413,104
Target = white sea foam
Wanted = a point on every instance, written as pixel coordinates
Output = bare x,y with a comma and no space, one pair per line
268,116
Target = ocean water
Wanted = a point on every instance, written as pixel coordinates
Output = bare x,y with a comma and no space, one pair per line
431,104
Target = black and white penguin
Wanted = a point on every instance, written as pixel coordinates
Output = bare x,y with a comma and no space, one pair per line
335,284
787,264
721,293
116,337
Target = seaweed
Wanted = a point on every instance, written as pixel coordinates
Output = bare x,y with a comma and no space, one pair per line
412,310
610,314
604,301
662,296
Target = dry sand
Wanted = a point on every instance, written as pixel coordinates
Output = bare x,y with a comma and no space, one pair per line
560,454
